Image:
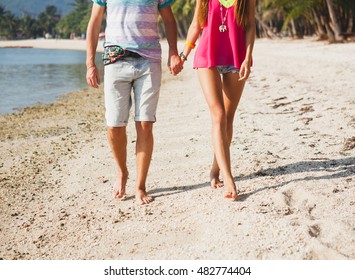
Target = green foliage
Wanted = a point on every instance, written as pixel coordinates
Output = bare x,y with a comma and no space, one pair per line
76,21
183,8
33,8
48,19
8,24
290,9
184,12
27,27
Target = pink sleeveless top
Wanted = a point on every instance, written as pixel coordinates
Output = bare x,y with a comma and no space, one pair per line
217,48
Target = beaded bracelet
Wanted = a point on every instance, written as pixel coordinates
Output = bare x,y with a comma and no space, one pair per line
183,56
189,44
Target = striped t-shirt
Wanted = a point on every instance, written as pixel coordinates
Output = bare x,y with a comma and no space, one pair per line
132,24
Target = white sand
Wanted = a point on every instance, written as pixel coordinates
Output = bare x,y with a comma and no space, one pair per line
292,154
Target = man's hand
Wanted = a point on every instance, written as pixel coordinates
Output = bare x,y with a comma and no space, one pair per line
175,64
92,76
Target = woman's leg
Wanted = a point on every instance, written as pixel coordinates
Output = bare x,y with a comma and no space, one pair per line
211,84
232,92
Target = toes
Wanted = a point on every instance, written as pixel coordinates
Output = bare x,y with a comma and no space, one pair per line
216,184
143,199
120,195
231,195
147,200
116,194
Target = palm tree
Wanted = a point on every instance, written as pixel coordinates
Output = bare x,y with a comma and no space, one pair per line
184,12
329,19
8,24
28,27
48,19
76,21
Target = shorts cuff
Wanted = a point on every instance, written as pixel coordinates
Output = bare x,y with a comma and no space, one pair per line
145,119
116,124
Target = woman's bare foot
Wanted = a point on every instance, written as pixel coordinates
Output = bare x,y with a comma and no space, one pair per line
142,197
119,189
216,183
231,190
232,195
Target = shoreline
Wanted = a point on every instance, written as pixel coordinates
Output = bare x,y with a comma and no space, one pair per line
47,44
293,158
58,44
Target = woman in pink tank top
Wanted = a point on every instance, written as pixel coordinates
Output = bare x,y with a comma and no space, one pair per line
223,60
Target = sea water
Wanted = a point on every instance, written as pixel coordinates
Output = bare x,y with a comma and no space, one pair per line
29,76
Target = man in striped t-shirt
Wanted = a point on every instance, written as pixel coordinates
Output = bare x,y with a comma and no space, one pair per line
132,62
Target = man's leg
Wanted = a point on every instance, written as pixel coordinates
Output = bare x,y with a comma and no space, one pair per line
146,94
117,139
144,150
118,86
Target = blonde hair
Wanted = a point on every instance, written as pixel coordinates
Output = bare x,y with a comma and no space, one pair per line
240,9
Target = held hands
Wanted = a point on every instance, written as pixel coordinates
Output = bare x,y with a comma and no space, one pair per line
244,72
175,64
92,76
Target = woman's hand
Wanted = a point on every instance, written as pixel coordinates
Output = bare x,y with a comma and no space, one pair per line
244,71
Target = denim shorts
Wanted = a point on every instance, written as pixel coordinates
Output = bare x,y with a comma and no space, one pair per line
139,75
227,69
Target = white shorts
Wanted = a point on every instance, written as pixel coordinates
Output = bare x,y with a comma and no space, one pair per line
139,74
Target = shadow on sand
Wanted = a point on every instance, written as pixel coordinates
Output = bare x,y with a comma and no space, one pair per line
337,168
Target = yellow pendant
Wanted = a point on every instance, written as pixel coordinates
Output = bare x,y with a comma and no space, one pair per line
227,3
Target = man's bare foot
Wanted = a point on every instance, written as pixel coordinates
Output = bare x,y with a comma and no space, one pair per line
143,198
216,183
119,189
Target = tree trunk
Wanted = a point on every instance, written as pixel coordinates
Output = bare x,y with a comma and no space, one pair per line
334,23
293,28
320,28
330,33
295,31
269,33
350,22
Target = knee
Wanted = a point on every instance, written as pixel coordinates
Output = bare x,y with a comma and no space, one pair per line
116,132
145,129
219,118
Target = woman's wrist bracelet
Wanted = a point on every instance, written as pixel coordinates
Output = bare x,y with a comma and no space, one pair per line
183,56
189,44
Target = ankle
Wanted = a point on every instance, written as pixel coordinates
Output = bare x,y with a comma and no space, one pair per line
140,189
123,173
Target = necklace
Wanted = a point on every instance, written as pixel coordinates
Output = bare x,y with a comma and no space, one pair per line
223,27
227,3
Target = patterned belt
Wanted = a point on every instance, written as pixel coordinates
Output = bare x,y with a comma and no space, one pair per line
113,53
131,54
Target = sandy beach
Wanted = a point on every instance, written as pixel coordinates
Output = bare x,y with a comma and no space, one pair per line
293,158
58,44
